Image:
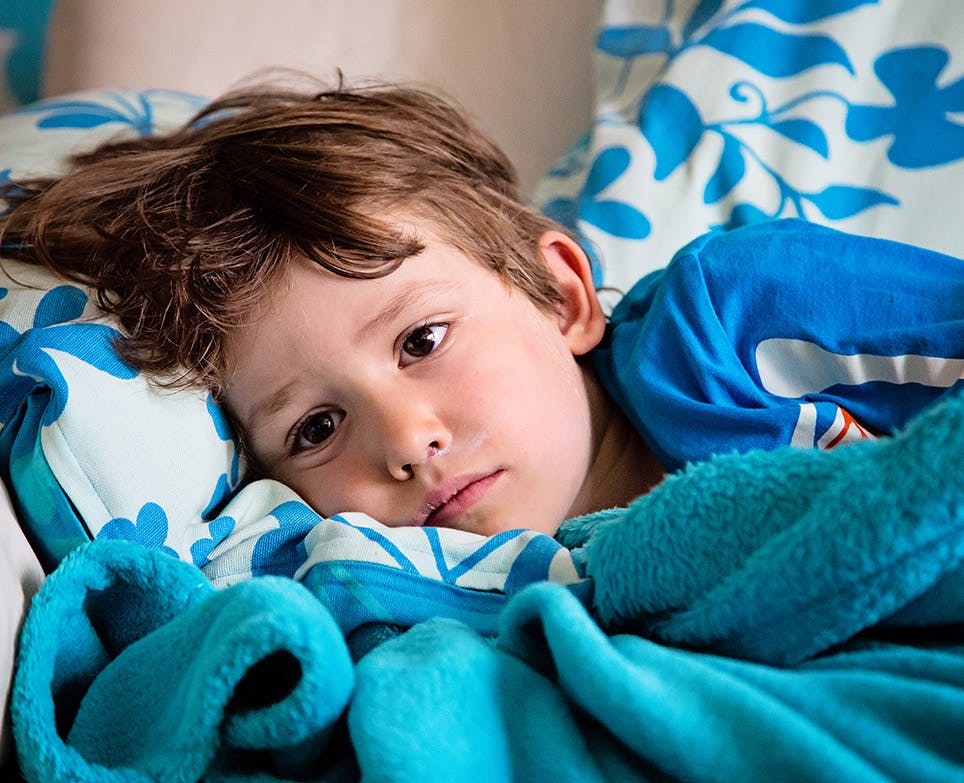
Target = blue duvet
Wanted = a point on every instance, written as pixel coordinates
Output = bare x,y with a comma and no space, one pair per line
784,615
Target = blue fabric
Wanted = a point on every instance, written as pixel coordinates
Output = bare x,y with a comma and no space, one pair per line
813,600
723,113
758,337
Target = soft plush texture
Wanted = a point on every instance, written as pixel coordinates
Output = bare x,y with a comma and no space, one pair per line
830,581
722,113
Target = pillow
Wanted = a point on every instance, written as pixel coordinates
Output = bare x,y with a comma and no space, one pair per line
717,114
74,417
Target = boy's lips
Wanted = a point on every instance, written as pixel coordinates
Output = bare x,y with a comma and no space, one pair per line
454,497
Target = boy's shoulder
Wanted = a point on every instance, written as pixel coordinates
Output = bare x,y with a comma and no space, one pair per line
775,250
791,279
723,268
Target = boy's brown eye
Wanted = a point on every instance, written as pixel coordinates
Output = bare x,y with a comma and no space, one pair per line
317,428
422,341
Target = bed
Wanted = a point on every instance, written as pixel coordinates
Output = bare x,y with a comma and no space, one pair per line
731,625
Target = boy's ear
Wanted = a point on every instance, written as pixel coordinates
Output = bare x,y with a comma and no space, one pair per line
581,319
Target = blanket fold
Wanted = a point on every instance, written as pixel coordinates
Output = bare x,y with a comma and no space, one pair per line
160,677
786,615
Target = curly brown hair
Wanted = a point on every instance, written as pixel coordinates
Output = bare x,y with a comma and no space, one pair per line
182,235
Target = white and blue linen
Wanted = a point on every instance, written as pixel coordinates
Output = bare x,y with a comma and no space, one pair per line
805,114
93,450
715,114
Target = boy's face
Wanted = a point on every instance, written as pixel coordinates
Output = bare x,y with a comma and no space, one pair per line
435,395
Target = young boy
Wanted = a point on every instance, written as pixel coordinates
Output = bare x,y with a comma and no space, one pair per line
394,332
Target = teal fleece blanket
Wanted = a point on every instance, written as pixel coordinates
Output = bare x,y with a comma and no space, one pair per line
791,615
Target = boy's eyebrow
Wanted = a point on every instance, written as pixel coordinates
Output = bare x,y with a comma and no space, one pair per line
272,404
403,300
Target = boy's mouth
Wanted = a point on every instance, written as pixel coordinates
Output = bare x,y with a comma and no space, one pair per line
454,497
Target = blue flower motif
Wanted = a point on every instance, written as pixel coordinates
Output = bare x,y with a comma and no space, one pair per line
219,530
610,215
795,12
27,361
920,117
776,53
150,529
672,124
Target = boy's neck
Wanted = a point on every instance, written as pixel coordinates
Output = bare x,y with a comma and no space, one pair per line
622,466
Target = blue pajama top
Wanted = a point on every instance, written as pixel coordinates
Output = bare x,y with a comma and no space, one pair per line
784,333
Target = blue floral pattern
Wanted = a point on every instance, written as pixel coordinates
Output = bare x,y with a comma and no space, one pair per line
919,119
27,360
113,107
730,113
150,529
90,447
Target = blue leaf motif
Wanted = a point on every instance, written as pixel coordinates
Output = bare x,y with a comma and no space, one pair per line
704,11
220,420
865,123
633,41
608,166
744,215
616,218
29,363
60,304
672,125
91,114
77,120
797,12
729,172
805,132
564,211
776,53
842,201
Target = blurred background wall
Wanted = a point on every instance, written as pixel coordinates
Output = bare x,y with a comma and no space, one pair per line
520,67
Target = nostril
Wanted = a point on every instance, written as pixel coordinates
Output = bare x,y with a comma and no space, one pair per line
433,448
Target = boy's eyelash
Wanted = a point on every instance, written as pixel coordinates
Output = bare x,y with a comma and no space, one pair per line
445,326
292,441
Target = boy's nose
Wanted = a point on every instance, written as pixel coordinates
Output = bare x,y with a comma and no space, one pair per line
413,436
